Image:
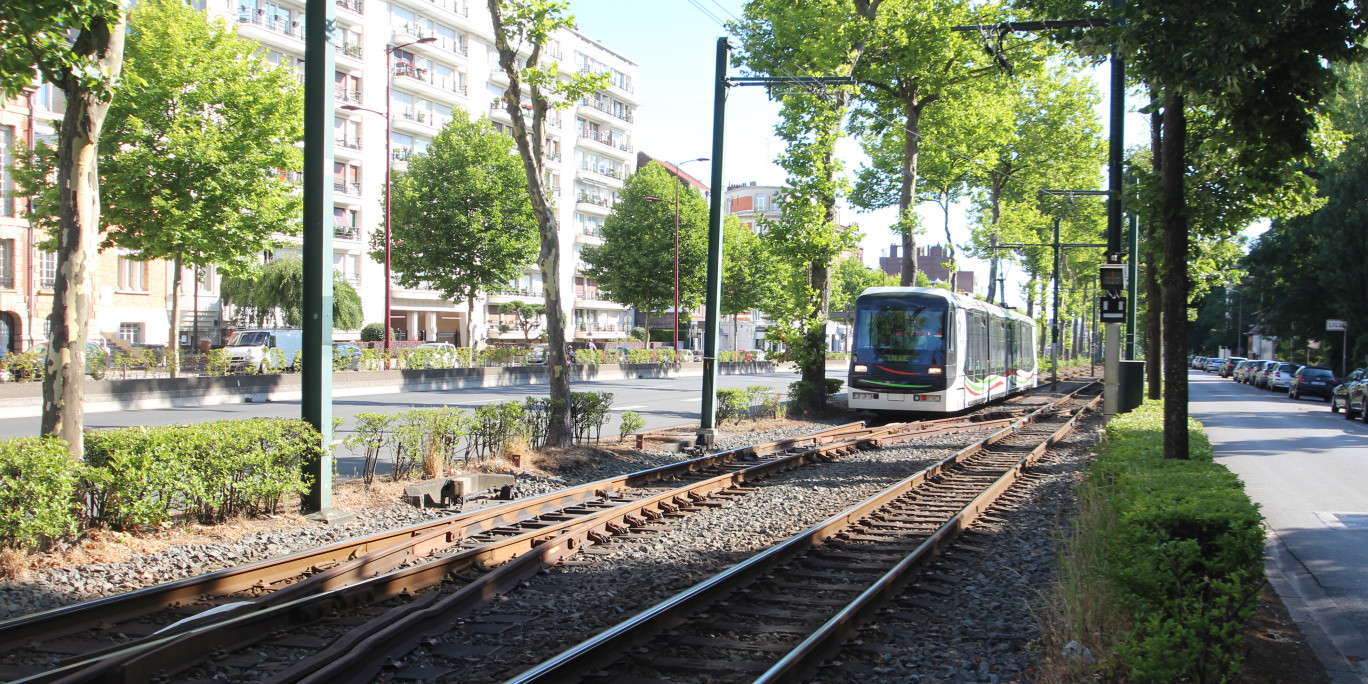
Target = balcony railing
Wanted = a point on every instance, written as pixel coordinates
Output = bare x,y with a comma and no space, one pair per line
358,6
553,156
349,49
401,154
598,200
616,110
346,232
293,29
615,79
355,279
586,230
47,282
601,170
606,139
347,188
349,143
348,96
425,75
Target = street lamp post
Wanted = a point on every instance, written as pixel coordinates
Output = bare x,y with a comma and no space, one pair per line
676,250
389,170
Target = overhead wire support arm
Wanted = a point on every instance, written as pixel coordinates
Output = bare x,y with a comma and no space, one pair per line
1046,25
789,80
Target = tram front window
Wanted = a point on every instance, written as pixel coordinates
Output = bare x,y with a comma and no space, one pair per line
900,333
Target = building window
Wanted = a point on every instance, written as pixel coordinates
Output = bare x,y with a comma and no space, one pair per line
132,333
7,263
47,270
6,183
208,275
132,275
761,203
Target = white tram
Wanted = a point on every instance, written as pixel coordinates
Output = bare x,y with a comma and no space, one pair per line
928,349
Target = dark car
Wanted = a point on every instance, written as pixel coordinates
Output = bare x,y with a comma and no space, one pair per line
1340,397
1356,401
1312,381
1228,367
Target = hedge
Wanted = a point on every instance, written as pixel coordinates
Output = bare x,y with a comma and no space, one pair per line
216,470
38,491
1184,555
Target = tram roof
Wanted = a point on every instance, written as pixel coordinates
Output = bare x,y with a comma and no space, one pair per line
954,297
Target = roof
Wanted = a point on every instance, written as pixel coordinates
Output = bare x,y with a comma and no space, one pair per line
678,173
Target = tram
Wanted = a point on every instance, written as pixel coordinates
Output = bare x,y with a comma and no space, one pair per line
933,350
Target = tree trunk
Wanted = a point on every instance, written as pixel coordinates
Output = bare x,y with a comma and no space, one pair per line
531,149
949,244
814,370
173,349
906,222
1154,318
995,216
1175,279
470,322
78,236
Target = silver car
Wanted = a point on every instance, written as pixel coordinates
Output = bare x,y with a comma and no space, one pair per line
1212,364
1281,376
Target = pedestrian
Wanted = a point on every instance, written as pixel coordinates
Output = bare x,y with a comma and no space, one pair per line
591,345
569,353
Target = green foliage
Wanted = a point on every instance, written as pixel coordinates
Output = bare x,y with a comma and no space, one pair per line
58,38
801,392
750,272
588,413
635,263
641,334
631,422
216,362
463,222
141,476
371,435
374,332
38,492
731,404
1182,552
280,285
527,317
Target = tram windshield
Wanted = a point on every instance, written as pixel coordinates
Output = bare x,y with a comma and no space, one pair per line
894,331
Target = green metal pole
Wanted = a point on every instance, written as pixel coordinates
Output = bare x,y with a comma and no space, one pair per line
1054,325
1132,287
707,419
316,404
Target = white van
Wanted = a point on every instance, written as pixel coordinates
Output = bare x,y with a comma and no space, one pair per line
249,348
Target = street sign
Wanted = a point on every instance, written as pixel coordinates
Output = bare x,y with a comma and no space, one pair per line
1113,309
1336,325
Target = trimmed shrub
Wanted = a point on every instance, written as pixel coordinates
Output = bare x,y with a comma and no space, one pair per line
732,404
38,491
374,332
1183,552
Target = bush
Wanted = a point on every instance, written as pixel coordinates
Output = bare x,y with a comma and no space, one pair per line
1181,552
216,362
38,486
374,332
641,334
631,422
140,476
732,404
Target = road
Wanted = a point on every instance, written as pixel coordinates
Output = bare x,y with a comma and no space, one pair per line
662,402
1306,468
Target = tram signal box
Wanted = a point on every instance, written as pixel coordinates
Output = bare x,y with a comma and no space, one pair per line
1113,309
1113,281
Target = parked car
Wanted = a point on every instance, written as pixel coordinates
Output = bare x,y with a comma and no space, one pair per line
444,351
751,354
1241,370
539,354
1339,397
250,348
1312,381
1212,364
1261,373
1228,367
95,350
1280,376
347,355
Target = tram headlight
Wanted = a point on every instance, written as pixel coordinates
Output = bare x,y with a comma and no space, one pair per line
934,370
861,368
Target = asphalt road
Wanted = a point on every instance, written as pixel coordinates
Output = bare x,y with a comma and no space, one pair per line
661,402
1307,468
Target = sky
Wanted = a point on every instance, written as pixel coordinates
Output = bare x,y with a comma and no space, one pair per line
674,42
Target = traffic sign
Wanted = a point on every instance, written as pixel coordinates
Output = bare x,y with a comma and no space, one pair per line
1113,309
1336,325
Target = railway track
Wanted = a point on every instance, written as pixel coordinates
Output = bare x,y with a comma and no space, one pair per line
347,595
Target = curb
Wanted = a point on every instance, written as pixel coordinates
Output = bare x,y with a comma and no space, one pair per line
1337,643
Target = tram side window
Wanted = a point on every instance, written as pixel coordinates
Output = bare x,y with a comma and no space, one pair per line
977,347
1010,328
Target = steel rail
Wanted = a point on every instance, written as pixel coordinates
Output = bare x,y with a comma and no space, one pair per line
352,560
609,645
175,652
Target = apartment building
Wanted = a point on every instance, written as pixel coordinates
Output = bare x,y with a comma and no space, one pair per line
589,145
131,302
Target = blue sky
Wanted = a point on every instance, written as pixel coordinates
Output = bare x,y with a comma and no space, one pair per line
674,42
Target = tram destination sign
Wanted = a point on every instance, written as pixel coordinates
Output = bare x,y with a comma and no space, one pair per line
1335,325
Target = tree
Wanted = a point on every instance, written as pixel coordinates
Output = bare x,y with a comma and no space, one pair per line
77,45
521,30
277,289
849,277
199,138
526,316
748,271
635,263
461,220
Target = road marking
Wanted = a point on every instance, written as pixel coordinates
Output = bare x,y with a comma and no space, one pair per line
628,408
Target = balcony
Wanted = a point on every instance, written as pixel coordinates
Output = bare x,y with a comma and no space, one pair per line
353,189
401,154
355,279
347,96
615,110
594,200
348,143
616,80
603,170
352,50
444,85
618,143
293,29
420,116
345,232
358,6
